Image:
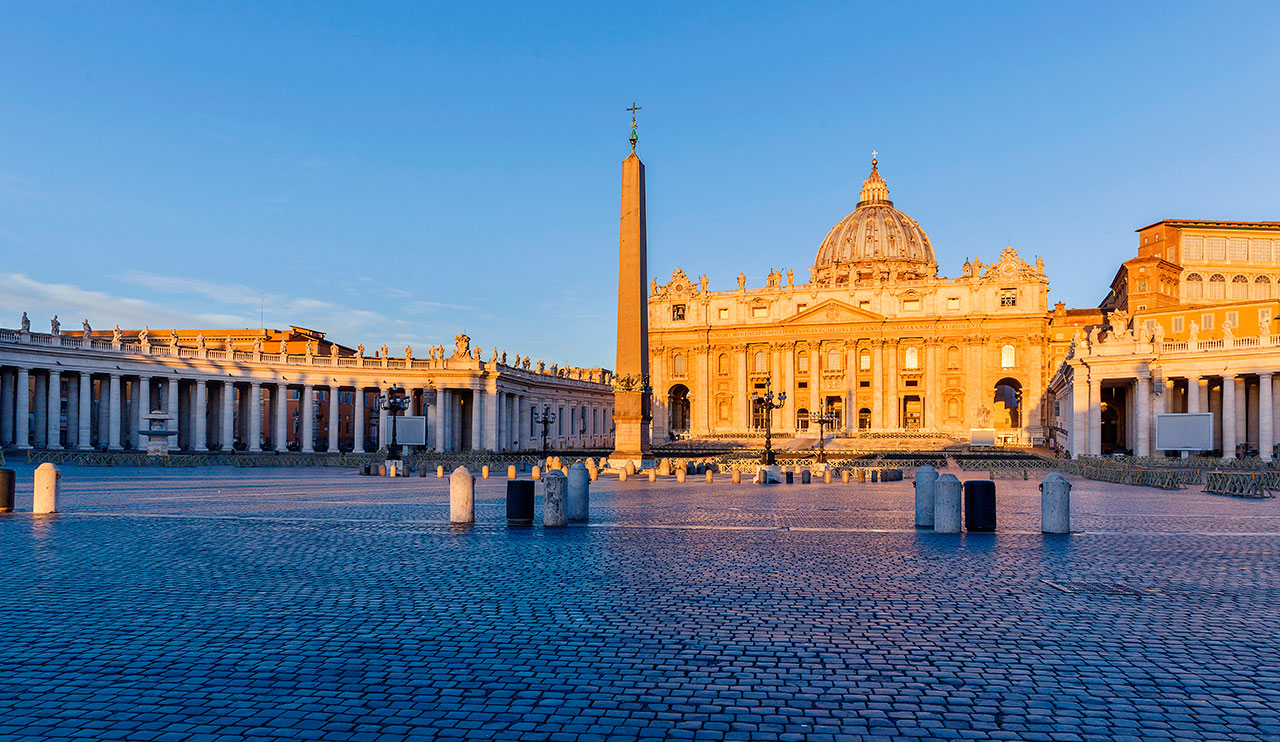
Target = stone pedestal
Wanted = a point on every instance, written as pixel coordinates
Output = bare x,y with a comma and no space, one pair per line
1055,504
579,493
946,504
926,477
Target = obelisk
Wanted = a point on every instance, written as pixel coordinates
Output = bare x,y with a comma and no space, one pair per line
631,410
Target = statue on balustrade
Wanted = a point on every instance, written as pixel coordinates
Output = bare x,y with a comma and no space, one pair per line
200,341
1194,335
333,352
494,359
284,347
144,337
116,335
360,351
504,357
1228,333
408,352
87,329
26,323
55,327
478,353
257,346
382,352
1157,333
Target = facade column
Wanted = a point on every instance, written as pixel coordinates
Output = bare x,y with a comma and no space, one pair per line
333,419
891,386
851,384
1142,392
1095,417
141,406
1266,417
171,409
1079,413
1228,417
815,380
877,384
1242,416
113,416
84,435
307,411
200,417
932,392
73,411
255,416
54,407
228,415
522,422
280,437
22,409
742,406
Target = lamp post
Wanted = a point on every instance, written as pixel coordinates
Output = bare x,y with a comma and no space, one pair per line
544,418
823,418
768,403
394,402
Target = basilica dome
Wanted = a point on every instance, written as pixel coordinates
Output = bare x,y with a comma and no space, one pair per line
875,241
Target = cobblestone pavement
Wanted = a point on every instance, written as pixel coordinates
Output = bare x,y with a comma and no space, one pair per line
209,604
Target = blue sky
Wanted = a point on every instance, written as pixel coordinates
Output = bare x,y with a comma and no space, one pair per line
402,172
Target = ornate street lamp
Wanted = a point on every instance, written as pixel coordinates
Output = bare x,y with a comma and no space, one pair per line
768,403
545,419
394,402
823,418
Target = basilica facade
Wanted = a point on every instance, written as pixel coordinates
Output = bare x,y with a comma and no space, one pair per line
874,338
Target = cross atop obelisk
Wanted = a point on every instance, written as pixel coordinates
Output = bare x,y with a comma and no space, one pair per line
631,393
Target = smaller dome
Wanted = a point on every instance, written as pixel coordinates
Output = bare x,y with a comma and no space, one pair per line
875,239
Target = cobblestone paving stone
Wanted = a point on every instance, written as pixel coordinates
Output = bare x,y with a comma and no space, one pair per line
216,604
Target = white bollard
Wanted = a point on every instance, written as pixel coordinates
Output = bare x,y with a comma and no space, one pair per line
622,475
1055,504
826,477
484,472
653,475
440,471
536,474
555,505
946,504
926,476
46,489
629,468
511,471
736,477
579,493
844,476
680,474
462,506
594,473
710,476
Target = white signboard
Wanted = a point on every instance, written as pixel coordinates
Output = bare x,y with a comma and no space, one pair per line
982,437
411,430
1184,431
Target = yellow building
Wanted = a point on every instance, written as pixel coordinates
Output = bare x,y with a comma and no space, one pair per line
875,336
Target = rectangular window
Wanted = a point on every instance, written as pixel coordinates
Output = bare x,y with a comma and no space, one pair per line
864,385
1008,297
724,313
910,305
1206,322
759,311
677,313
801,307
1234,319
1215,248
864,304
802,362
802,385
1238,250
1193,248
910,382
953,302
1259,251
1176,323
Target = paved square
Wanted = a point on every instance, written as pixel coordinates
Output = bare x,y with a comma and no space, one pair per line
214,604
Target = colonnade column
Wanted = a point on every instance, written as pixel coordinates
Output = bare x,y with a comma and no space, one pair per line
437,421
357,421
84,436
200,417
54,415
171,409
142,405
1095,417
40,413
384,435
255,416
1228,417
1266,417
307,411
22,409
280,436
1142,390
333,419
228,415
113,417
1079,414
6,409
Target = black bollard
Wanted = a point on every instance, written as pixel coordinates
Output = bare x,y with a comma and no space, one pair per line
520,502
7,480
790,477
980,505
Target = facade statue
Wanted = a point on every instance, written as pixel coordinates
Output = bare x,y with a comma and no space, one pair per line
1264,327
555,369
478,353
284,347
87,329
526,363
461,346
200,341
542,367
1157,333
742,281
360,351
504,357
382,352
333,350
144,337
1193,336
1093,336
494,359
55,327
774,279
653,286
226,343
257,346
1039,266
173,338
1228,329
116,334
311,348
984,416
408,352
1119,322
26,323
703,283
791,277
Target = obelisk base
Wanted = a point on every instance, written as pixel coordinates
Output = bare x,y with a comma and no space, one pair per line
631,432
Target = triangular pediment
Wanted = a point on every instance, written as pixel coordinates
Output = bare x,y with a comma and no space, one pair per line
832,310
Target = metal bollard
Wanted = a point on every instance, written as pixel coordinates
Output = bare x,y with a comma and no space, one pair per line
926,476
422,471
1055,504
8,483
519,502
710,476
788,477
806,477
980,505
579,493
511,472
946,504
555,499
736,477
462,508
484,472
46,489
680,474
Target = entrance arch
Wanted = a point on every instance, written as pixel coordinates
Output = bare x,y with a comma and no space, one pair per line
864,419
1007,397
678,409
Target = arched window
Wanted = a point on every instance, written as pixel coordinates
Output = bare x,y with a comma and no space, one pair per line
802,361
1262,287
722,364
953,357
911,359
1239,287
833,359
802,419
864,360
677,365
760,364
1195,286
1217,286
1006,357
